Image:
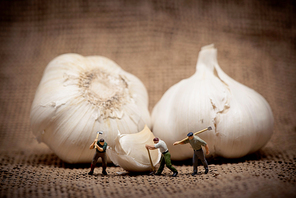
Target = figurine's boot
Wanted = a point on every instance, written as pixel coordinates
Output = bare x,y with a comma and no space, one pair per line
157,173
206,170
104,171
175,174
194,171
92,167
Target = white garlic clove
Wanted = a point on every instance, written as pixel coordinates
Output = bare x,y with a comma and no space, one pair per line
130,152
241,119
78,96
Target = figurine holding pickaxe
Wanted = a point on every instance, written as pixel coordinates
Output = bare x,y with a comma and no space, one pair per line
100,146
196,144
165,158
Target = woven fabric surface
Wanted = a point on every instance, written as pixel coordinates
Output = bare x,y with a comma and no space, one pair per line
157,41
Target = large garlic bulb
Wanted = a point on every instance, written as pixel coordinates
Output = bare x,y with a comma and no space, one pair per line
79,96
130,152
241,119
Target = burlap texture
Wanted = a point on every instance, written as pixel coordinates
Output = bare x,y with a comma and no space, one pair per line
158,41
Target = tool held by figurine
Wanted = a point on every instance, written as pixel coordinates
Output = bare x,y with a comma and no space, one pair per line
98,133
150,162
97,137
198,132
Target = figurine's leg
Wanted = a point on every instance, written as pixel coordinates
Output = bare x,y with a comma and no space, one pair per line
203,160
194,162
104,163
168,163
160,169
93,163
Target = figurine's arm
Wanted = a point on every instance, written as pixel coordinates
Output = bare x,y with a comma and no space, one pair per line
207,149
178,142
150,147
92,146
99,148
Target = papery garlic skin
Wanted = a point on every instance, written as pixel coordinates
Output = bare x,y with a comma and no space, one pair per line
130,152
241,119
78,96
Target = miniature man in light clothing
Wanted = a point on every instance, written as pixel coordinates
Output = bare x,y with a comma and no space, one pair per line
196,144
101,147
165,158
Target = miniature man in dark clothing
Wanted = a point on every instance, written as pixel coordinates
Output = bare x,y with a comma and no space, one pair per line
196,144
101,147
165,158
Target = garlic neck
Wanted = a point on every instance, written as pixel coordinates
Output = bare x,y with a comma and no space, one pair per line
207,58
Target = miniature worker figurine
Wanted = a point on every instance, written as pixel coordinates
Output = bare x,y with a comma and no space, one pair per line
165,158
196,144
101,147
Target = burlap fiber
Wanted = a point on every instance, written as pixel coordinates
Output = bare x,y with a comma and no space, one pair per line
158,41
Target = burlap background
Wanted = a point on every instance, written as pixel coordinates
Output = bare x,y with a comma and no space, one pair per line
158,41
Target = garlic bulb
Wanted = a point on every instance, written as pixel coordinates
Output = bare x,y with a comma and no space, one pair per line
130,153
241,119
79,96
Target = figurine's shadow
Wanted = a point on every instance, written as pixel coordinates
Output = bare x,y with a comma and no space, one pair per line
50,159
95,175
259,155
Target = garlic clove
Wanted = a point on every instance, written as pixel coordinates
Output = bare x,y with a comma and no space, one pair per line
130,152
78,96
241,119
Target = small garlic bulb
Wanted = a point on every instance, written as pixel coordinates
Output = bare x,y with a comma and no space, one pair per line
79,96
241,119
130,152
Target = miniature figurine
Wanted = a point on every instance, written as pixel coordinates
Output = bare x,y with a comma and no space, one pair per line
196,144
165,158
101,147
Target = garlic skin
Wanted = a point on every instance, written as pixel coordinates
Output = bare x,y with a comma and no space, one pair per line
78,96
241,119
130,152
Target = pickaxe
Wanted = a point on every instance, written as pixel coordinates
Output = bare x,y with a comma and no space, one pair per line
198,132
153,170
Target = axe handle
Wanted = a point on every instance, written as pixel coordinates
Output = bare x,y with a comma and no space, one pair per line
93,145
198,132
150,160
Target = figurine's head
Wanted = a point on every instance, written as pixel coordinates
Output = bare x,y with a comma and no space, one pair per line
102,141
155,140
190,135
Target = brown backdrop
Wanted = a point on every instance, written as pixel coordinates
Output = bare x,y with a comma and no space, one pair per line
158,41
